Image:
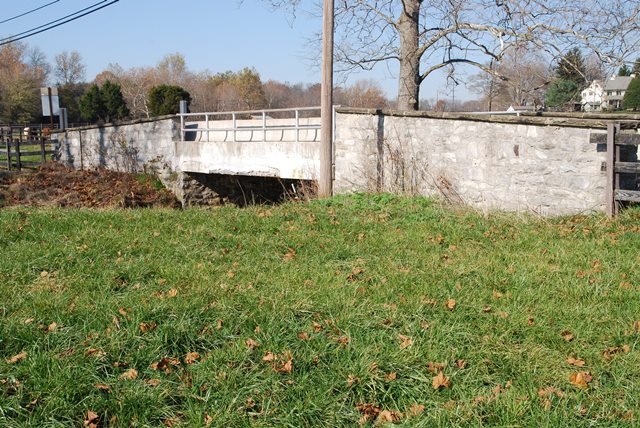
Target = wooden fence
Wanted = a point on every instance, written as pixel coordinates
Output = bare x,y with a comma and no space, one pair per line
622,166
24,147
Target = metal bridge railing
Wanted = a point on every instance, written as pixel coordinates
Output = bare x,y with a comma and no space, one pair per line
262,126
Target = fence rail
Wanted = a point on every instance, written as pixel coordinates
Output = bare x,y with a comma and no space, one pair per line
24,147
263,122
622,166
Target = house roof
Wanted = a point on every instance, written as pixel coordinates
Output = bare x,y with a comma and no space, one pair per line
617,83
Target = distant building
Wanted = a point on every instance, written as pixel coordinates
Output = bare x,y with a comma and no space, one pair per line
614,90
592,97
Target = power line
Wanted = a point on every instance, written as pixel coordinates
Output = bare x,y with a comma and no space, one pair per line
49,26
28,12
13,37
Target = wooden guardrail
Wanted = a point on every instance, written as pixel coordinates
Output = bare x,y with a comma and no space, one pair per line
24,147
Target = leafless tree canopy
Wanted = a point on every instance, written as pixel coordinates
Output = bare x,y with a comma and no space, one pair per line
428,35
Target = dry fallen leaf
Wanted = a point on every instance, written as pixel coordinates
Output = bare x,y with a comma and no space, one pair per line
609,353
351,379
441,381
405,341
94,352
461,364
17,358
172,293
390,377
251,344
580,379
153,382
435,367
147,326
191,357
567,335
388,416
269,356
103,387
207,419
415,410
303,335
451,304
130,374
52,327
290,255
91,419
575,362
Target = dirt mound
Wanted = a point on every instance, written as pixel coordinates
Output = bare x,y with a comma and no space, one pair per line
55,185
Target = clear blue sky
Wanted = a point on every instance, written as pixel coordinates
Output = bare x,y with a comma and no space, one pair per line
214,35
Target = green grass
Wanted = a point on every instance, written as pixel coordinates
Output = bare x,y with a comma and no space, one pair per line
365,272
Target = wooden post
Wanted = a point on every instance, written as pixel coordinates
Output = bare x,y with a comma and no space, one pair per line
18,143
7,139
325,184
610,191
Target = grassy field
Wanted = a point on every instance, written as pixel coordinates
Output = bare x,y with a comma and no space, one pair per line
358,310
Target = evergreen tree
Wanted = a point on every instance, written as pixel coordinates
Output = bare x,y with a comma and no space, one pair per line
624,71
103,104
563,94
631,100
571,67
636,67
165,99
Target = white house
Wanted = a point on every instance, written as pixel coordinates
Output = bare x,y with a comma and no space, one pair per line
593,96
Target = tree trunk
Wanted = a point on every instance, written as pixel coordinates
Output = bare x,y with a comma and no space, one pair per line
409,87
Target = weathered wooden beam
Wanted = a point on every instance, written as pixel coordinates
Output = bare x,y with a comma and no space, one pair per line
628,195
609,193
622,139
628,167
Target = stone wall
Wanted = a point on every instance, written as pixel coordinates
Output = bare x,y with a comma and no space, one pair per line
145,146
550,170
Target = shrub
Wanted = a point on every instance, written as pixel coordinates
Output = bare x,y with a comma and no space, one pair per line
104,103
165,99
631,98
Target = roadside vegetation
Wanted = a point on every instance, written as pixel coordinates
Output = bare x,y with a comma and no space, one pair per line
365,310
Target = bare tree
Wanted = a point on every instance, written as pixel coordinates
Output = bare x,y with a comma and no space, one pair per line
428,35
69,68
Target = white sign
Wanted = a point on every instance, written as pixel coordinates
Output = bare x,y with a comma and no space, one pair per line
55,101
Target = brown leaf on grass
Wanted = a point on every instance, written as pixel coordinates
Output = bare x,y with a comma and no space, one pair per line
567,335
369,412
91,419
17,358
387,417
191,357
153,382
343,340
130,374
405,341
351,379
219,325
550,391
286,367
611,352
424,325
290,255
51,327
415,410
146,327
531,322
269,356
580,379
251,344
103,387
355,274
390,377
317,327
165,364
29,320
441,381
94,352
575,362
487,309
207,419
435,367
303,335
427,301
461,364
450,304
172,293
497,294
231,274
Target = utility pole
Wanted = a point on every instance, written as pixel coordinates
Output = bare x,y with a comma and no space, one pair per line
325,184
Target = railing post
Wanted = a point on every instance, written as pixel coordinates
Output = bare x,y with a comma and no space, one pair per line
184,108
297,126
7,139
206,121
610,190
264,126
233,120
